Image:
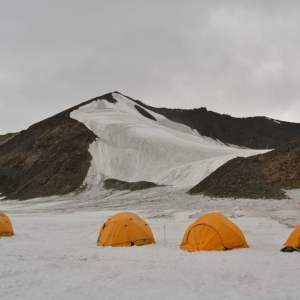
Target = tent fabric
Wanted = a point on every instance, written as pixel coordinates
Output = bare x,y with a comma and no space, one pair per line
6,228
294,238
125,229
213,231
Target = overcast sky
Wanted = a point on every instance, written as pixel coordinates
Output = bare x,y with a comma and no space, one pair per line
234,57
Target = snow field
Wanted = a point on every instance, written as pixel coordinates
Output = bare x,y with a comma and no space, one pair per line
54,256
132,147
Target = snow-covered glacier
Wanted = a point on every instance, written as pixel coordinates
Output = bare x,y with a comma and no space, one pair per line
131,147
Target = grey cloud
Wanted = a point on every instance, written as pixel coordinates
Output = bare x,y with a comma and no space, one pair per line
234,57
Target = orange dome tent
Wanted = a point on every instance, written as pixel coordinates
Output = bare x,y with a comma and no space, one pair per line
294,238
213,231
5,225
125,229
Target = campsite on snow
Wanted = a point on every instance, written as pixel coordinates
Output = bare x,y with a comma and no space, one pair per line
114,198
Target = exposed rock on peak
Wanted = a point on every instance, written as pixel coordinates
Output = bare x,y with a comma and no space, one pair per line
144,113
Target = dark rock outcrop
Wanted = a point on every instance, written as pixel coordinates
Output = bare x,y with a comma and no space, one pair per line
281,167
144,113
115,184
256,177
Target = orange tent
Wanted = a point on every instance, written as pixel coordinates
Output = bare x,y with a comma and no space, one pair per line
125,229
294,238
213,231
5,225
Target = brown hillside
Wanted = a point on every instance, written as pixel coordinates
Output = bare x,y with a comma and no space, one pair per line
259,176
6,137
50,157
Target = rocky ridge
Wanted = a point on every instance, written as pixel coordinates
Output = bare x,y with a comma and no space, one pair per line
252,132
263,176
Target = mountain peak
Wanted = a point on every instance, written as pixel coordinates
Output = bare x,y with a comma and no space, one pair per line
115,136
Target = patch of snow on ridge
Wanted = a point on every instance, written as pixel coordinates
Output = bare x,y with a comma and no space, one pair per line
275,121
131,147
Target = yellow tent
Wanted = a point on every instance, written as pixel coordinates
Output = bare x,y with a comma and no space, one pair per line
294,238
213,231
5,225
125,229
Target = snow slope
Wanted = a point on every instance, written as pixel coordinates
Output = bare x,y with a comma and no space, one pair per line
132,147
54,256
